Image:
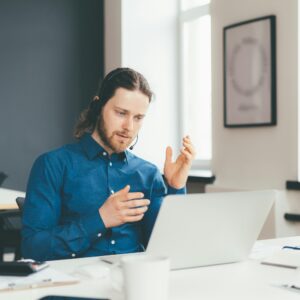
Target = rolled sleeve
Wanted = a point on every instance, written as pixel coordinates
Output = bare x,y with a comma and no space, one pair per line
172,191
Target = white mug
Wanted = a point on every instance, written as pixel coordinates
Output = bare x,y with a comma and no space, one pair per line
145,277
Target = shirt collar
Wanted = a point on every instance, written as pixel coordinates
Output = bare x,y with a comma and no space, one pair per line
92,149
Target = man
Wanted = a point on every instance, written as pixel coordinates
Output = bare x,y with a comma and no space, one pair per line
95,197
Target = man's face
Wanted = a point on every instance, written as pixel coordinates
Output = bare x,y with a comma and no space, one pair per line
121,119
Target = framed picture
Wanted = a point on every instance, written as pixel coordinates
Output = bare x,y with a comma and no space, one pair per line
250,73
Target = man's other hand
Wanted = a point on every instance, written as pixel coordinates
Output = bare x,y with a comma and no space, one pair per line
176,173
123,207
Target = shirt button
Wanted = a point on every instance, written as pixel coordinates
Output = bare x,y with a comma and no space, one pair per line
99,234
73,255
110,164
112,191
104,153
113,242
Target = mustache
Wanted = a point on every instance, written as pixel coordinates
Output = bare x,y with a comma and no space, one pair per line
124,134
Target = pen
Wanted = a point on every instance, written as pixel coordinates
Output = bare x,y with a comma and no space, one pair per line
291,247
107,261
20,286
290,286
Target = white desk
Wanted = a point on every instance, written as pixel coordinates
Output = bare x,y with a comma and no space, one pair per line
8,198
246,280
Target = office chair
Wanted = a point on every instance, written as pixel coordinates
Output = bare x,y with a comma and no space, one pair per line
3,176
10,229
10,233
20,202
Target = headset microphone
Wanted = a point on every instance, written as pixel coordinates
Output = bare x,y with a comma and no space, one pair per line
132,146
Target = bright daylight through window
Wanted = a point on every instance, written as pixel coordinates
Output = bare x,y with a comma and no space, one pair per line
195,45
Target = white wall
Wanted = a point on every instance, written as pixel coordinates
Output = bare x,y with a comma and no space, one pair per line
148,43
265,157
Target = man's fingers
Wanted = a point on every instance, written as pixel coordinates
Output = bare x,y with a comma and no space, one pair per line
124,195
189,147
131,219
187,138
187,154
169,153
137,203
187,143
131,196
123,191
135,211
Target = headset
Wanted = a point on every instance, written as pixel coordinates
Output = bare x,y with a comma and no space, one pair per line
132,146
108,77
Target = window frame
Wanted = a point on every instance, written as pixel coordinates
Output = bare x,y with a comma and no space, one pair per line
188,16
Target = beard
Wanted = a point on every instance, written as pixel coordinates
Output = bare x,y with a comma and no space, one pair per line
111,141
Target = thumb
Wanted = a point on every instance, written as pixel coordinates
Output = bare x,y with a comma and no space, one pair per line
169,153
123,191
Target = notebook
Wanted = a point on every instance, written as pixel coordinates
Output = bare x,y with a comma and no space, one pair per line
284,258
44,278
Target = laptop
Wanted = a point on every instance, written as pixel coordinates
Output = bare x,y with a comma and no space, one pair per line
208,229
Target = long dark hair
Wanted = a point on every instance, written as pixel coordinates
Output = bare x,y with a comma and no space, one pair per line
121,77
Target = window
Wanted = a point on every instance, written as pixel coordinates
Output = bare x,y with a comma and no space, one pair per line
188,4
195,70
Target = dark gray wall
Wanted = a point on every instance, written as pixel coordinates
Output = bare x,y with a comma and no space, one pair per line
51,59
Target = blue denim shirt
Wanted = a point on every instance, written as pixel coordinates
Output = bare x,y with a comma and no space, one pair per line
65,190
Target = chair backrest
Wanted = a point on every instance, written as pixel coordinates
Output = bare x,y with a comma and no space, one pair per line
20,201
3,176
